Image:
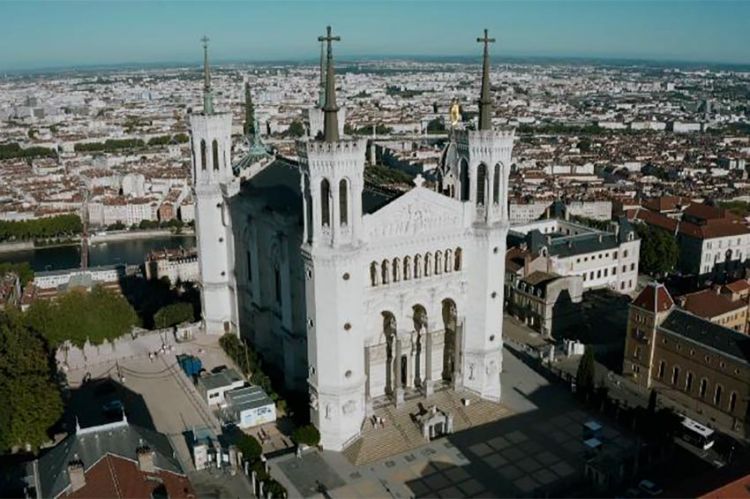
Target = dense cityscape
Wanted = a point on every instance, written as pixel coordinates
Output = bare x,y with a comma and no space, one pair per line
478,276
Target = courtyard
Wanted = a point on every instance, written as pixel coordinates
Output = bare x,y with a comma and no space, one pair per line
156,394
530,445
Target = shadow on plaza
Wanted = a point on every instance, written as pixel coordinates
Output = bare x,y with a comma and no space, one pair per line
98,401
497,466
541,453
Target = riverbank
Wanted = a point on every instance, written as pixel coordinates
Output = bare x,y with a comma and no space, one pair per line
125,235
113,249
16,246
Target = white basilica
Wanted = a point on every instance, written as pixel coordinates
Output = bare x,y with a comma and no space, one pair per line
354,295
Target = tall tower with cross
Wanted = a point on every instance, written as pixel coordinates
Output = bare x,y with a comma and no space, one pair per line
316,114
214,184
484,165
332,181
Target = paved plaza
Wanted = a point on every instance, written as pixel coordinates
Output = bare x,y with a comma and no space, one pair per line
534,447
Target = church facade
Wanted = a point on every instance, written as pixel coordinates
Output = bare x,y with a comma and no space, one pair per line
356,296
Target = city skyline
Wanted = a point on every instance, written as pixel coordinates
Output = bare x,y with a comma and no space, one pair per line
79,34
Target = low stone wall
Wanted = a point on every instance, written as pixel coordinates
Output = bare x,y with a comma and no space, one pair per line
140,343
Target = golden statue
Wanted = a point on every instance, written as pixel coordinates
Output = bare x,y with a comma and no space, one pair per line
455,113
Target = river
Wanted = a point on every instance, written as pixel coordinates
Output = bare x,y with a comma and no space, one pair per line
130,252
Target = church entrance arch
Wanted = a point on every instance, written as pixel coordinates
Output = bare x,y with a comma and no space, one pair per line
450,323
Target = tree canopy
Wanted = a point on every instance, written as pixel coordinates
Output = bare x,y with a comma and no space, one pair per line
60,225
659,250
296,129
31,399
307,435
173,314
78,315
249,446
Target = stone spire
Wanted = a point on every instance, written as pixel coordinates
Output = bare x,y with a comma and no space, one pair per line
250,127
330,109
208,95
322,85
485,100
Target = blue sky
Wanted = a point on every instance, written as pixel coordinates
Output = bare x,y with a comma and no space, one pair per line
39,33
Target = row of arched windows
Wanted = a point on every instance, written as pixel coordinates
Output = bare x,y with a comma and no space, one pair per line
215,154
687,385
325,202
483,192
415,267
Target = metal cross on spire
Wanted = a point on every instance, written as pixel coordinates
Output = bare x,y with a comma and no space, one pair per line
208,98
485,101
330,109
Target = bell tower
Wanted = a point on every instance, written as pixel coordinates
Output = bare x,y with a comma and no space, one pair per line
332,177
484,166
214,184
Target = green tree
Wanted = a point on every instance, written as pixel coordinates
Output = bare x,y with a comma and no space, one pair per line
307,435
296,129
585,373
31,399
249,446
76,316
60,225
435,125
659,252
173,314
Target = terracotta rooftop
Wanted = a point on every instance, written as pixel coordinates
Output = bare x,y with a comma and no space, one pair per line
708,303
654,298
738,286
118,477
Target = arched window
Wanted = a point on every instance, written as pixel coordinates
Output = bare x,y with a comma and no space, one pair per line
448,260
496,185
457,259
428,264
215,154
417,266
396,269
374,274
407,268
675,374
660,373
481,184
385,271
717,395
203,155
703,387
343,203
464,180
325,202
732,401
438,262
688,381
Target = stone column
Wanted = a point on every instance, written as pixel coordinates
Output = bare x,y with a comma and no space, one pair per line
368,381
427,353
398,391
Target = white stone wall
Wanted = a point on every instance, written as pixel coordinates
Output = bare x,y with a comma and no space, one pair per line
214,184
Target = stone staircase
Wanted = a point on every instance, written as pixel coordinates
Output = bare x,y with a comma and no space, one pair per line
400,433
